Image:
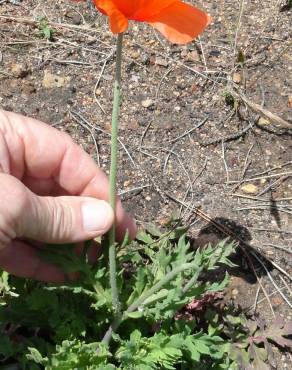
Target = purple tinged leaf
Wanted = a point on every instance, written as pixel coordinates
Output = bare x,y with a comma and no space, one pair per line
276,332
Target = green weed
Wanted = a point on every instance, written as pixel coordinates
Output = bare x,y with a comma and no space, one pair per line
171,316
45,31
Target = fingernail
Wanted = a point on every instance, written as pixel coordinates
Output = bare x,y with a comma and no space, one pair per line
97,215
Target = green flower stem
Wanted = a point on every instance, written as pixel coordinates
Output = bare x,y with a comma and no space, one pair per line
113,175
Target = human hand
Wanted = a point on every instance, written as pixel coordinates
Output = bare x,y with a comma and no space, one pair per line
51,191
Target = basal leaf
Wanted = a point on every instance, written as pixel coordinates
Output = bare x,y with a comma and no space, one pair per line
276,332
217,286
192,349
35,356
135,315
145,238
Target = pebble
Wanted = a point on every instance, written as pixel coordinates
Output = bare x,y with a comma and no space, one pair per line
76,19
161,62
145,59
135,54
147,103
236,77
127,183
275,273
192,56
107,77
164,220
51,80
263,122
250,189
19,70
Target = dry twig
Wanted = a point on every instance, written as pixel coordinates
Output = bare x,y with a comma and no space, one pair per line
273,118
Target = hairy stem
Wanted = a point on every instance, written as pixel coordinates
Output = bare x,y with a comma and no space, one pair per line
113,175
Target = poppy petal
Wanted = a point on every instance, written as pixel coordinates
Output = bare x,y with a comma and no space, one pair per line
118,22
141,10
180,23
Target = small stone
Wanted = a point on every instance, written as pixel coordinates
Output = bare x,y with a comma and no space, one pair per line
152,59
236,77
148,198
177,108
51,81
167,125
108,126
91,40
215,53
107,77
127,183
19,70
193,56
135,79
133,124
250,189
277,301
161,62
275,273
135,54
234,292
147,103
76,19
290,101
164,220
194,88
145,59
263,122
129,124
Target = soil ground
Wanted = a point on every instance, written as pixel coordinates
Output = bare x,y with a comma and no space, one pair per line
188,140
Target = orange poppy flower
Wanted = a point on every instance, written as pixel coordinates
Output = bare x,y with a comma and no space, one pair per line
178,22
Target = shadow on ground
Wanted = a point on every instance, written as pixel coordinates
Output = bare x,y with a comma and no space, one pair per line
243,285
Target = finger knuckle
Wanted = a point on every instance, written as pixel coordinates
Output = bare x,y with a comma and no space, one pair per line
62,218
15,203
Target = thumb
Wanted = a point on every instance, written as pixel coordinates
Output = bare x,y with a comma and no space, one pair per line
63,219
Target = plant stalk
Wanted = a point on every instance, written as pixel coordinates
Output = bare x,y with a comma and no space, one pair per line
113,175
